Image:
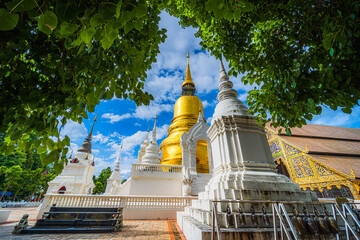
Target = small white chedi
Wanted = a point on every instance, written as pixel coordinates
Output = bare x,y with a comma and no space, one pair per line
152,151
114,181
77,175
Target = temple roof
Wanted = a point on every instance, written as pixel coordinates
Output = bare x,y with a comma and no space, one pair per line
337,147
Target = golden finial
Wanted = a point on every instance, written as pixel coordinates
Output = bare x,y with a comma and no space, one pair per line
306,148
121,146
90,134
188,79
148,128
352,173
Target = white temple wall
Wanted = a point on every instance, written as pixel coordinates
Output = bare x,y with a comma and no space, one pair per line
151,187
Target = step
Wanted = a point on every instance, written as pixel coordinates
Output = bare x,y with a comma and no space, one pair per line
76,222
83,209
67,230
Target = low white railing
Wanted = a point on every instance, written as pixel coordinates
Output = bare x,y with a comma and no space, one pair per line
128,202
139,167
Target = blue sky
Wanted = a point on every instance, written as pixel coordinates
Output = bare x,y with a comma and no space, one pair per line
121,121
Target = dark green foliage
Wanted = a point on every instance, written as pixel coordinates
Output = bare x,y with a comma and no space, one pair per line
22,173
58,59
101,181
301,54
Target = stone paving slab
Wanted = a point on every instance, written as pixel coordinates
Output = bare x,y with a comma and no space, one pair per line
132,229
17,213
137,230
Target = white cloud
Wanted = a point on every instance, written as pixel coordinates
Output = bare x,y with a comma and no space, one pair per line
95,150
243,96
100,138
209,104
74,131
149,112
114,117
329,117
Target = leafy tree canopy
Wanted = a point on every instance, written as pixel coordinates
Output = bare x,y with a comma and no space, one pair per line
101,181
58,59
301,54
23,174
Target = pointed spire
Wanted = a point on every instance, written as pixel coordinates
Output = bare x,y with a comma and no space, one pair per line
86,146
188,80
116,173
225,86
153,138
222,71
228,104
117,167
200,118
92,128
147,137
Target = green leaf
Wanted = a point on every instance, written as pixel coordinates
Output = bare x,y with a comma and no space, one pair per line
248,7
346,110
125,17
140,11
327,42
66,10
118,9
128,27
95,21
58,167
67,28
20,5
288,132
8,20
106,43
331,52
87,34
47,22
67,140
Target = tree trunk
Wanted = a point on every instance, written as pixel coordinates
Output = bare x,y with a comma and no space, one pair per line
7,187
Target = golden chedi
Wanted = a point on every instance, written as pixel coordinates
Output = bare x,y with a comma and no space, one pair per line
186,113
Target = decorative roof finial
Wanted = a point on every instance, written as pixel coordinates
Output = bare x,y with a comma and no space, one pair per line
188,79
225,86
153,139
147,136
86,146
200,118
117,167
90,134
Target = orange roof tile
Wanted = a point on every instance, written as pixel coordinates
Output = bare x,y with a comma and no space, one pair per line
323,132
342,163
337,147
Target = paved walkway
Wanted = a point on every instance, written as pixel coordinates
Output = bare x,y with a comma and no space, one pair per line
132,229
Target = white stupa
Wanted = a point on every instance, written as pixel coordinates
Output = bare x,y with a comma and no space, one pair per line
114,181
143,146
152,151
243,167
77,175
